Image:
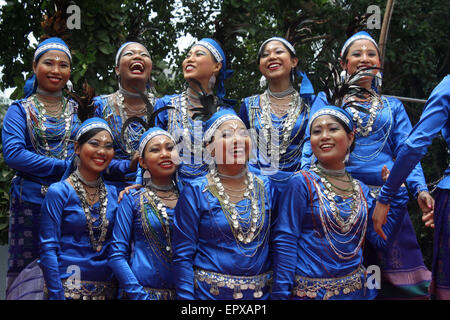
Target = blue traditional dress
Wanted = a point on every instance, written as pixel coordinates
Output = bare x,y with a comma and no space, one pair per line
434,119
277,155
141,250
67,252
278,141
318,254
210,260
110,108
379,136
35,146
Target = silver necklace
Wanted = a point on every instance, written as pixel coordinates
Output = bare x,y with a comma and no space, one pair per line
281,94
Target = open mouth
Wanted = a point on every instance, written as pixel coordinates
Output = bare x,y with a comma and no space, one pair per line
326,147
137,67
99,161
166,164
189,67
273,66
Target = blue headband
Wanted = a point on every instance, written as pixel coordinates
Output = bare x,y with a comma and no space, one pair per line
119,52
46,45
216,120
333,111
219,55
306,87
150,134
362,35
92,123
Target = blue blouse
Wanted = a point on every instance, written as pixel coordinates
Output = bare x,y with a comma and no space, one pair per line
434,119
281,168
304,247
138,254
65,240
203,239
380,147
192,159
118,173
36,167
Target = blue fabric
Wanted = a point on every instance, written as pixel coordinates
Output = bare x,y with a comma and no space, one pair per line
33,169
301,248
136,262
118,171
65,241
171,121
224,73
202,238
434,119
379,148
361,35
290,161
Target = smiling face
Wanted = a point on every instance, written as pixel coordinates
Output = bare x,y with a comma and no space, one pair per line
361,54
95,154
330,142
160,158
135,64
52,70
231,143
276,61
200,64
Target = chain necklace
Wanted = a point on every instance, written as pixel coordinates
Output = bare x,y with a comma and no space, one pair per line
375,106
285,126
133,133
337,229
97,244
45,130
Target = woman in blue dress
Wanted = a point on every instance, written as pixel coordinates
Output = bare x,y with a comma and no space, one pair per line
78,215
141,250
36,135
222,221
278,117
205,70
324,220
434,119
380,132
133,67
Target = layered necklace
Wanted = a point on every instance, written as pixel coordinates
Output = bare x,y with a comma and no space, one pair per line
248,223
50,125
133,133
375,106
284,126
343,219
79,184
152,207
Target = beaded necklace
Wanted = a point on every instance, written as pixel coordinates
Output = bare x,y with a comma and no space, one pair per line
246,225
338,229
152,207
97,244
50,136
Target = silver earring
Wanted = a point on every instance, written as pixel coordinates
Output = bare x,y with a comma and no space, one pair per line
146,177
344,75
378,79
263,82
212,82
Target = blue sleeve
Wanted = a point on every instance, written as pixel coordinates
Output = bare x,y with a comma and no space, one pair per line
185,238
286,233
50,236
17,157
394,219
162,118
433,119
120,250
416,180
118,168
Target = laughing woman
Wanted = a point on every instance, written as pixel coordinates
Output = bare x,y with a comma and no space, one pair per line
324,220
77,220
133,67
222,221
144,224
36,137
280,115
205,71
